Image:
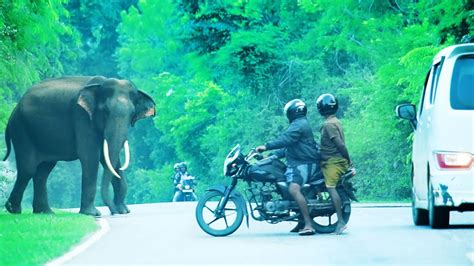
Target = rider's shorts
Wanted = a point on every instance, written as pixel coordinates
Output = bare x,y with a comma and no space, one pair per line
300,174
333,169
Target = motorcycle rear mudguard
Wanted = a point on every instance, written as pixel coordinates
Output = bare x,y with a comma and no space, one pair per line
234,193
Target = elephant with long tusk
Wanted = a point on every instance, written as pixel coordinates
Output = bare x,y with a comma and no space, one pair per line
70,118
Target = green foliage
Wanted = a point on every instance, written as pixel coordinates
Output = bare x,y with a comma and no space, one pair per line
36,239
96,22
151,185
253,57
31,46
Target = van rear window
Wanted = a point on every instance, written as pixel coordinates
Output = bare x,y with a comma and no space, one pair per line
462,84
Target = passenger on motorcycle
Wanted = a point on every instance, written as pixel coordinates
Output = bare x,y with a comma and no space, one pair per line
335,160
181,173
302,154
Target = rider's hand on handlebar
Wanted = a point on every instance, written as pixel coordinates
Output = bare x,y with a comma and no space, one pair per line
261,148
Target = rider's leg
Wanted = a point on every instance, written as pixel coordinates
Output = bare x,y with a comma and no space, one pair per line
332,170
336,201
296,177
295,191
177,196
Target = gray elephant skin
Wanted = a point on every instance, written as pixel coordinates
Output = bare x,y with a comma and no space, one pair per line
75,118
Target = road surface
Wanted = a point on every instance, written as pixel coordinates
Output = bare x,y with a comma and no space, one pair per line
168,233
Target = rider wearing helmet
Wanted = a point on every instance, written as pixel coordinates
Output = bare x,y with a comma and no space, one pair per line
179,169
181,174
335,159
183,167
176,167
302,154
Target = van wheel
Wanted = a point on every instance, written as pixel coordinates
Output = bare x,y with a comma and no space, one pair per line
420,216
438,215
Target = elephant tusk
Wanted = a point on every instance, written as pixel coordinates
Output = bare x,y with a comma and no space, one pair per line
107,159
127,156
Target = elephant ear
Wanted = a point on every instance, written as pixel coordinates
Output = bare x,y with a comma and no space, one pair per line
86,98
144,107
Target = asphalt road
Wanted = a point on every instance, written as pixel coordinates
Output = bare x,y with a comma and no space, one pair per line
168,234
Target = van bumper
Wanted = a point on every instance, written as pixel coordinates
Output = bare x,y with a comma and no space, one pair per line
453,188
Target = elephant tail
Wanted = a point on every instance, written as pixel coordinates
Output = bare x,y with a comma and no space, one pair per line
8,141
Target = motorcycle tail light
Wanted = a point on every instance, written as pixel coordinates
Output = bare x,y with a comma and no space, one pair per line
454,160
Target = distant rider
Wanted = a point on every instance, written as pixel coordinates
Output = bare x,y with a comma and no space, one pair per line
181,176
302,155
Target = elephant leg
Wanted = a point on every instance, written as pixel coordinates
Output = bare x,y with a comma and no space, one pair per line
105,191
25,171
13,204
40,197
90,167
120,191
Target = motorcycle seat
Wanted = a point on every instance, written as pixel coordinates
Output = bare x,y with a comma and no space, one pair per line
318,178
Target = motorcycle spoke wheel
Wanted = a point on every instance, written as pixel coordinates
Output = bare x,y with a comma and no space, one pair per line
205,206
326,224
219,225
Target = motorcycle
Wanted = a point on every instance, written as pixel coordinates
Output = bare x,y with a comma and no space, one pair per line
187,188
221,210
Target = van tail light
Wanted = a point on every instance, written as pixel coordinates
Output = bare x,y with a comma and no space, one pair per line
454,160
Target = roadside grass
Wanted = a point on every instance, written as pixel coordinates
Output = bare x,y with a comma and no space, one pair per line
34,239
373,200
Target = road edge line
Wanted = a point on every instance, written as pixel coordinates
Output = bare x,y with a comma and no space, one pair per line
104,228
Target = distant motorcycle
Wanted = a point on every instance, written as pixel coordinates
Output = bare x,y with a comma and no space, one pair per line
221,210
187,187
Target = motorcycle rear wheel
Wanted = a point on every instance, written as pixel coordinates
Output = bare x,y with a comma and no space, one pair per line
223,225
327,224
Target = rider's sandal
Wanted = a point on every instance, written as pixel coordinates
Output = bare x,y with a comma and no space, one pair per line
340,229
297,228
307,232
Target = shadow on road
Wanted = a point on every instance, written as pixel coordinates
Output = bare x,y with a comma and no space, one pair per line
461,226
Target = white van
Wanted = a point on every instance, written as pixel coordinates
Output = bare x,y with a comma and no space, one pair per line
443,146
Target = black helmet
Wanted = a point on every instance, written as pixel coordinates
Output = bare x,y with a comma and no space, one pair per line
183,167
327,104
295,109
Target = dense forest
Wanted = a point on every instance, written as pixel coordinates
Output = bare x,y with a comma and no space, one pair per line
221,71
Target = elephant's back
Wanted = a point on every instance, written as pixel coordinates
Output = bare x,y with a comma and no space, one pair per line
64,84
52,94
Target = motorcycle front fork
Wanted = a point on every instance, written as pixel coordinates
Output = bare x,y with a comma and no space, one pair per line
219,212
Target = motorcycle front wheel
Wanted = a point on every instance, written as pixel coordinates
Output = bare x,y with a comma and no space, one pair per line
219,225
326,224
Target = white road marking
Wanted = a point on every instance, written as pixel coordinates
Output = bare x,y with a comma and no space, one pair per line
104,228
470,256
